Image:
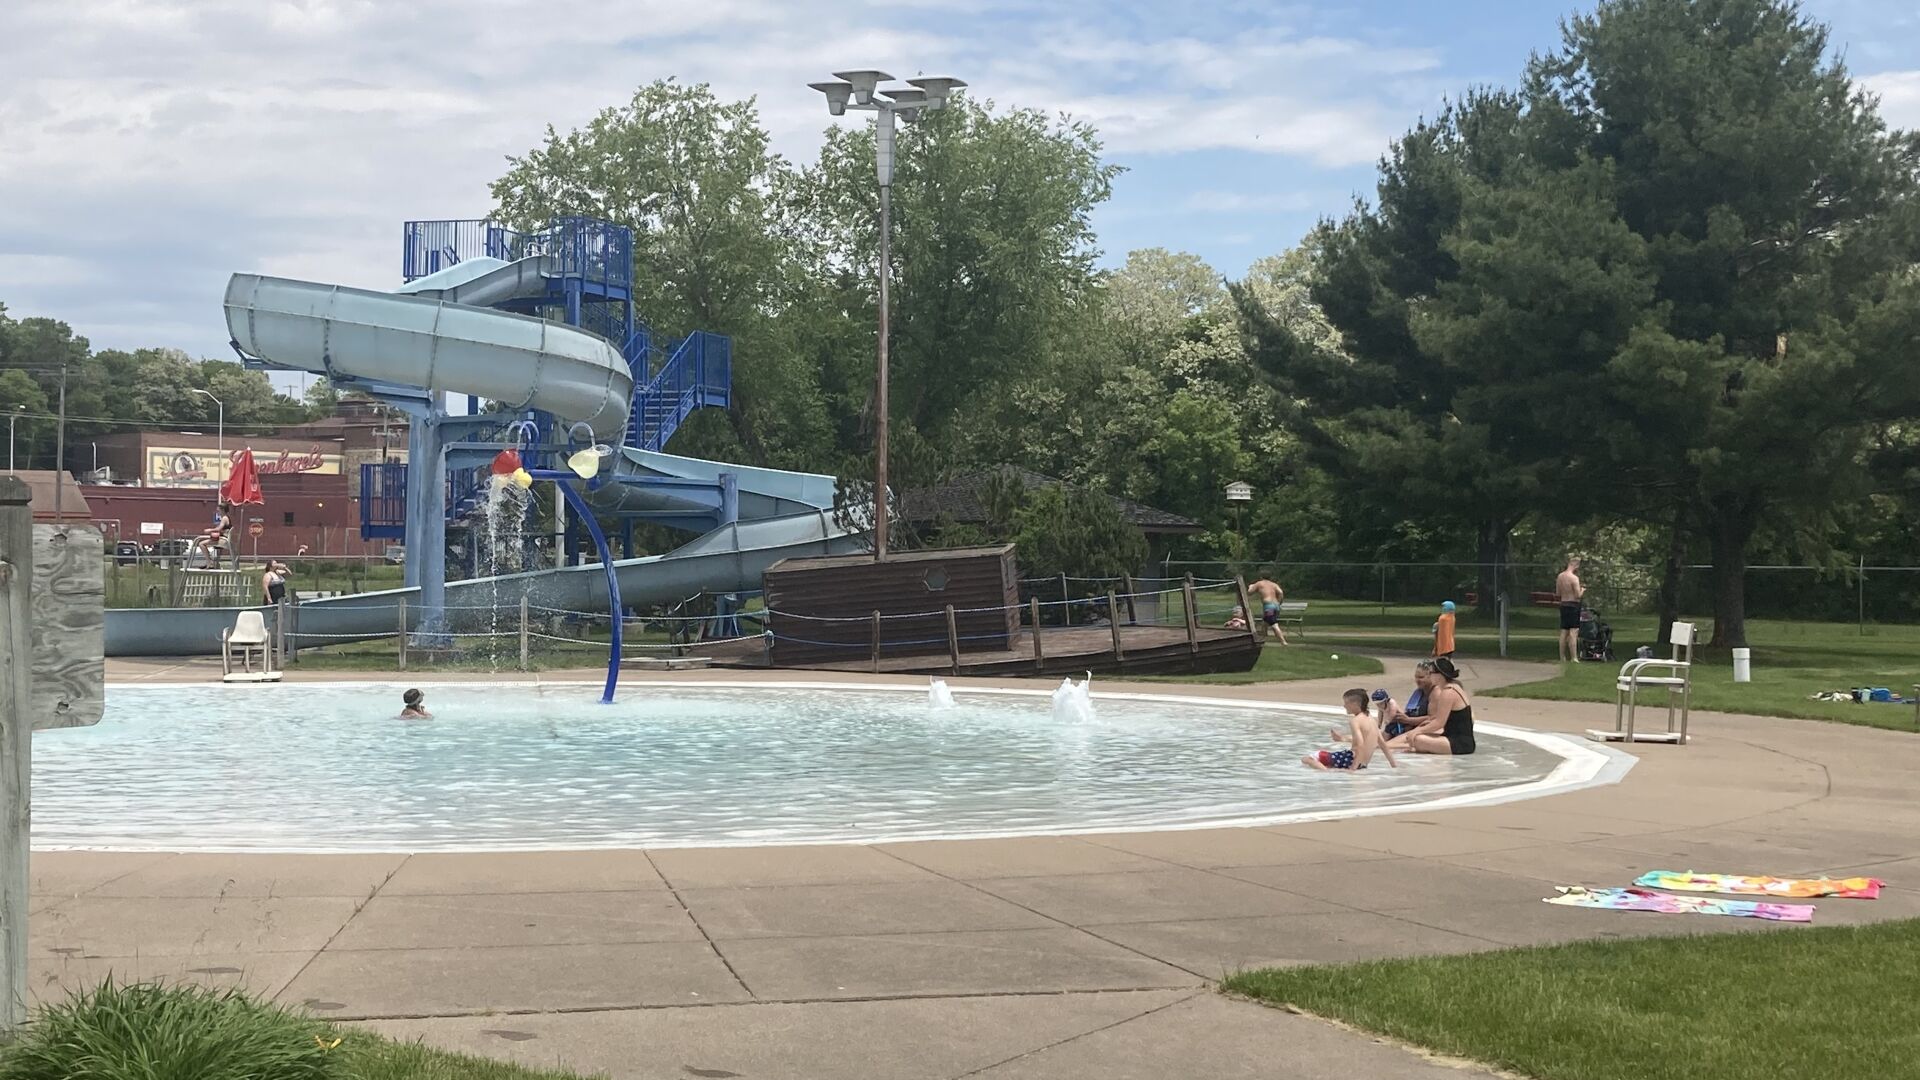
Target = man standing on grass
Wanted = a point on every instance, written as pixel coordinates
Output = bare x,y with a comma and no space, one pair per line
1270,595
1571,592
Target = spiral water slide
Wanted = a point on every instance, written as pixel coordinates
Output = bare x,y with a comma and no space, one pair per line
439,337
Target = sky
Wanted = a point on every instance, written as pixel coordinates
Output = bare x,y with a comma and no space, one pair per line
150,148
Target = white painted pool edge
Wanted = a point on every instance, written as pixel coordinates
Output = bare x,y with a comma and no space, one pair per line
1583,764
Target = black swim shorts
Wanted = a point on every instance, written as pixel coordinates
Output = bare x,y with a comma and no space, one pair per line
1570,616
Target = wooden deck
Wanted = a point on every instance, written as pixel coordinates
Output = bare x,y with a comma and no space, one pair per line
1144,650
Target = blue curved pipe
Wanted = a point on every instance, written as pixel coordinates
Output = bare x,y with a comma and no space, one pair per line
562,479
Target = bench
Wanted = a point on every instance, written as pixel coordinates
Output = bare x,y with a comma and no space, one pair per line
1543,599
1294,613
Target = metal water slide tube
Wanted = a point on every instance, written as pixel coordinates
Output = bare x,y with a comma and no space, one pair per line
432,339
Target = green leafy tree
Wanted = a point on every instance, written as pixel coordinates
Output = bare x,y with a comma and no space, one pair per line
1403,427
1077,532
1779,224
993,252
693,177
20,393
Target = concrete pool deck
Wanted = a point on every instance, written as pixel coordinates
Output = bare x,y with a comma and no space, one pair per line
1034,957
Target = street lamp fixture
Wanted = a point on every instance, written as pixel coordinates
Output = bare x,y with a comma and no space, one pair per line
857,90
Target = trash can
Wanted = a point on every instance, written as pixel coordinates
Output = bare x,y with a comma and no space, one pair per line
1743,665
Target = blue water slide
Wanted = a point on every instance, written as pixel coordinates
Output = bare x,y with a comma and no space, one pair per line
439,335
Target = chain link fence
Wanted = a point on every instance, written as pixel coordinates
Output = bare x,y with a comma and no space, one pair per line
1862,593
190,579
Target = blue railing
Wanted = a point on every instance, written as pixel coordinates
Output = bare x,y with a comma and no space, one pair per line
429,247
699,373
588,248
383,502
584,248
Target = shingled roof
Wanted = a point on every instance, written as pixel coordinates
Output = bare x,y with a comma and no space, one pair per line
963,501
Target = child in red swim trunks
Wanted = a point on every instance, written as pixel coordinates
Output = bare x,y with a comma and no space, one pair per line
1363,736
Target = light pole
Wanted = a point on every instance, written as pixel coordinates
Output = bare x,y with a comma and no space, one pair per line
13,418
855,90
220,433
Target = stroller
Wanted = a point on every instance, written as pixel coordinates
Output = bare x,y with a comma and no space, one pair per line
1596,637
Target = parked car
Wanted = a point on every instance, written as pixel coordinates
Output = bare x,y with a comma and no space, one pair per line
176,546
126,553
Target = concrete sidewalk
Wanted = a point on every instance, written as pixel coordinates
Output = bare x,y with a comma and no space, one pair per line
1042,957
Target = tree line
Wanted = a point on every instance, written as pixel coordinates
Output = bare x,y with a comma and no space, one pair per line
112,390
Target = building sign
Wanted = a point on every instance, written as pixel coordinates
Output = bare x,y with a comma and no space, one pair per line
153,528
169,466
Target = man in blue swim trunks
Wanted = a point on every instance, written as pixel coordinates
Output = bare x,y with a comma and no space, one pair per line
1269,594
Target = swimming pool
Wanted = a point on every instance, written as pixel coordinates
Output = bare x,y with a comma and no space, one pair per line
327,767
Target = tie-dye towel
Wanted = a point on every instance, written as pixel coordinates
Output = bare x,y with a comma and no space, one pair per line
1857,888
1667,904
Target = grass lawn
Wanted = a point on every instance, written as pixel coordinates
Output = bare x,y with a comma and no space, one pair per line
1791,660
1834,1001
175,1031
1278,664
381,655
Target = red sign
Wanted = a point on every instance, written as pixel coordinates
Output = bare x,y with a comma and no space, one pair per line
288,462
256,529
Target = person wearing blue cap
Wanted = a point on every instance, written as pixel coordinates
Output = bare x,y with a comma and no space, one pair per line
1443,631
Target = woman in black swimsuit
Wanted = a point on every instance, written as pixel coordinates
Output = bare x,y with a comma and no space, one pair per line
1448,725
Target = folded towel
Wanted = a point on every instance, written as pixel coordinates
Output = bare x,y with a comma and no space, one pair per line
1668,904
1856,888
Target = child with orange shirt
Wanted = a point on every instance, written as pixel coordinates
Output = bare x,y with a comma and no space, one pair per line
1443,631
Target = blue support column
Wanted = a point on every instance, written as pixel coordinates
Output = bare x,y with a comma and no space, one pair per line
426,565
729,498
626,538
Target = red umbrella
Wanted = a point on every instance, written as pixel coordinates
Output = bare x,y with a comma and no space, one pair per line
242,485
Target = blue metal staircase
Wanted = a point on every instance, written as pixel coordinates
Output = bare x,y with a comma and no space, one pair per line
697,375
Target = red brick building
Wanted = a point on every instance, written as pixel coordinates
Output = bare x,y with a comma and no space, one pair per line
166,483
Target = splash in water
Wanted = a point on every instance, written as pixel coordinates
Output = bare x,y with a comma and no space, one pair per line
938,696
1073,702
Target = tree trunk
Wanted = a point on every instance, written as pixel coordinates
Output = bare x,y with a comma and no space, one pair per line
1671,574
1729,536
1495,539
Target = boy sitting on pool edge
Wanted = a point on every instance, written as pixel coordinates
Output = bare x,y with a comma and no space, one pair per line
1363,733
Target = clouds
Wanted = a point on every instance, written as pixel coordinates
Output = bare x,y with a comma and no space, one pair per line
1899,97
152,147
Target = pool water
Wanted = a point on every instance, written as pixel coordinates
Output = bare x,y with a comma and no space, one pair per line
330,768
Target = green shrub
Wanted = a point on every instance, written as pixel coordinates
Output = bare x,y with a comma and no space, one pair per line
150,1031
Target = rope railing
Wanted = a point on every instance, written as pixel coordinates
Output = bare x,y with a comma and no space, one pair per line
941,612
556,630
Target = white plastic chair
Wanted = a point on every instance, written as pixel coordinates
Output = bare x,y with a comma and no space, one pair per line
247,636
1675,678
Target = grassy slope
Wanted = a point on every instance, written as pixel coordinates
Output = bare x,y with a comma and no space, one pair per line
1834,1001
1790,659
